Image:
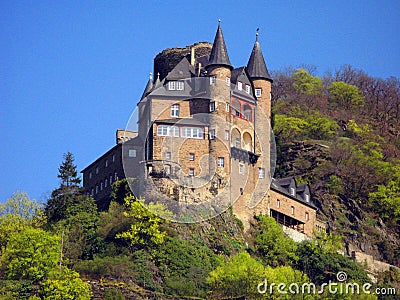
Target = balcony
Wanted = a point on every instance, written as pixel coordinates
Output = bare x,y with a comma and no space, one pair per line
244,155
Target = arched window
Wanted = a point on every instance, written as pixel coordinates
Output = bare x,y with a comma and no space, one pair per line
236,109
247,141
235,138
247,112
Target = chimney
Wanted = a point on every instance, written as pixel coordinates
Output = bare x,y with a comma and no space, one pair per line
192,56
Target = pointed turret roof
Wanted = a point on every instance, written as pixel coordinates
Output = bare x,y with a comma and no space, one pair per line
219,54
149,87
256,66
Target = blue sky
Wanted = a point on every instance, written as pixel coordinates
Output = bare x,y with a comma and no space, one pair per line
71,72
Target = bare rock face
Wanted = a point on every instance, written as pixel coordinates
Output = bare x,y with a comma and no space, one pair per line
167,59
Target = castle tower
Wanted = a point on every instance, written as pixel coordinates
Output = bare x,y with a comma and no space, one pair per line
260,77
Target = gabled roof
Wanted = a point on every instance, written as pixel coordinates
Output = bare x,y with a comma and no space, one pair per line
182,70
219,54
256,66
283,185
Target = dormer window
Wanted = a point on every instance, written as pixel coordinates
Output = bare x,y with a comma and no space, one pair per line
261,172
213,79
180,85
172,85
240,86
247,89
307,197
292,191
175,110
258,93
228,81
212,106
227,106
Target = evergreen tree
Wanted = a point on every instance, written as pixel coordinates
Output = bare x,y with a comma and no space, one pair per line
67,172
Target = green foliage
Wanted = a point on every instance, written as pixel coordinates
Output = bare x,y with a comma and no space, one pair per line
185,265
145,228
272,244
300,125
30,254
121,190
64,284
239,277
289,128
15,289
320,260
335,185
18,212
345,95
386,200
305,83
67,172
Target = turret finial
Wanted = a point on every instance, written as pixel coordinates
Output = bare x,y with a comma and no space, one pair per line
257,33
151,76
219,21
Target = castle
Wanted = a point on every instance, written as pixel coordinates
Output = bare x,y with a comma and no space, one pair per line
201,142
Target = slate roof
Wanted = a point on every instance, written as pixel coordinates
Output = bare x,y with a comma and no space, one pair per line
282,186
148,88
219,54
256,66
182,70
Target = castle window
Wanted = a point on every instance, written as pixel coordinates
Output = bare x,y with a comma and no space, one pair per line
175,110
166,130
115,176
307,197
258,92
101,185
97,189
192,132
278,203
212,106
212,134
227,135
241,168
110,179
241,191
240,86
191,156
167,169
292,208
132,153
228,81
247,112
227,107
292,191
97,170
221,162
106,163
113,158
180,85
92,192
172,85
90,175
247,89
237,143
191,172
261,172
168,155
307,216
105,182
212,80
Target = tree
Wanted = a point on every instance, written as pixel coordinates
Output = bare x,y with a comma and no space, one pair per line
345,95
18,212
67,172
239,277
271,242
289,128
307,84
31,253
64,284
145,228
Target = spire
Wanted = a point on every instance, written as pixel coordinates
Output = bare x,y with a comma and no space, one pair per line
149,86
256,66
157,82
219,54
